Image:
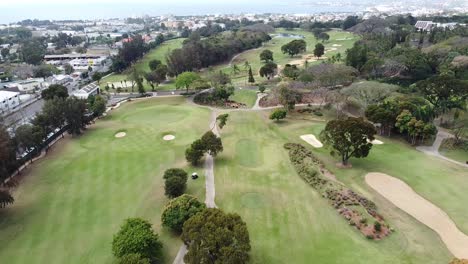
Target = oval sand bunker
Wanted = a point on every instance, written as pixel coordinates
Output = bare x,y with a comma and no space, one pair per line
169,137
120,135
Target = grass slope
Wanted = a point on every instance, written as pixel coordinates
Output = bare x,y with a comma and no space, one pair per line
288,220
247,97
71,203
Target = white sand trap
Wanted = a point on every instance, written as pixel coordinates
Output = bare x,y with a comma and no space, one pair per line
120,135
337,45
312,140
401,195
375,142
169,137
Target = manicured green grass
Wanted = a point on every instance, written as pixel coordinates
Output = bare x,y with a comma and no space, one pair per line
247,97
289,221
158,53
69,205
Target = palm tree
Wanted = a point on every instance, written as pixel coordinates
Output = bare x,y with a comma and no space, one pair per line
246,65
235,69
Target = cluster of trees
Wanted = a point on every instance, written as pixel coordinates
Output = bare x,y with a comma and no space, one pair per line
412,116
198,53
131,51
157,75
209,143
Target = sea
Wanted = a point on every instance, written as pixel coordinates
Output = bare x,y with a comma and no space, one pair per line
71,11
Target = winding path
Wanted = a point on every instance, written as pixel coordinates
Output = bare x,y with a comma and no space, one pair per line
434,149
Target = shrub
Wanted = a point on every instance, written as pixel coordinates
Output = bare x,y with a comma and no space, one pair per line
136,236
377,226
179,210
278,114
175,172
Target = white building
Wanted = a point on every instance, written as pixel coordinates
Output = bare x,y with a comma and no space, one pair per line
85,92
60,79
9,102
29,85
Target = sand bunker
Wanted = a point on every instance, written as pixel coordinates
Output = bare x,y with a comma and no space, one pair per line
375,142
401,195
312,140
304,58
120,135
337,45
169,137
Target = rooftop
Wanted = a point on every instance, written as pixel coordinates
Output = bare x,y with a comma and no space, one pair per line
6,95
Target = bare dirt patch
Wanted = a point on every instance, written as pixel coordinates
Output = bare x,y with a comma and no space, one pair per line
405,198
312,140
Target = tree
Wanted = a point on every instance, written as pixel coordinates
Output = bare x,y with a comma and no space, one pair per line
278,114
382,115
133,259
266,55
97,76
29,136
68,68
350,21
75,110
175,172
45,70
200,85
294,47
212,143
222,119
174,187
368,93
99,105
251,77
349,138
444,92
219,79
54,90
319,50
185,79
136,236
33,51
134,77
179,210
291,71
261,88
235,69
153,64
195,152
8,164
324,36
268,70
213,236
288,97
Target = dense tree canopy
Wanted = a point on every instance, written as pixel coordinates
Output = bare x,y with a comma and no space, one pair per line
213,236
136,236
266,55
54,90
179,210
294,47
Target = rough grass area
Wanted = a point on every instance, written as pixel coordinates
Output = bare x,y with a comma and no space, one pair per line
244,96
458,152
69,205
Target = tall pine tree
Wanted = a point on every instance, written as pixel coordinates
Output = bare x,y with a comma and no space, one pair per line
251,78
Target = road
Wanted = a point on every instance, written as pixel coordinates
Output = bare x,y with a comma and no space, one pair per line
25,114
